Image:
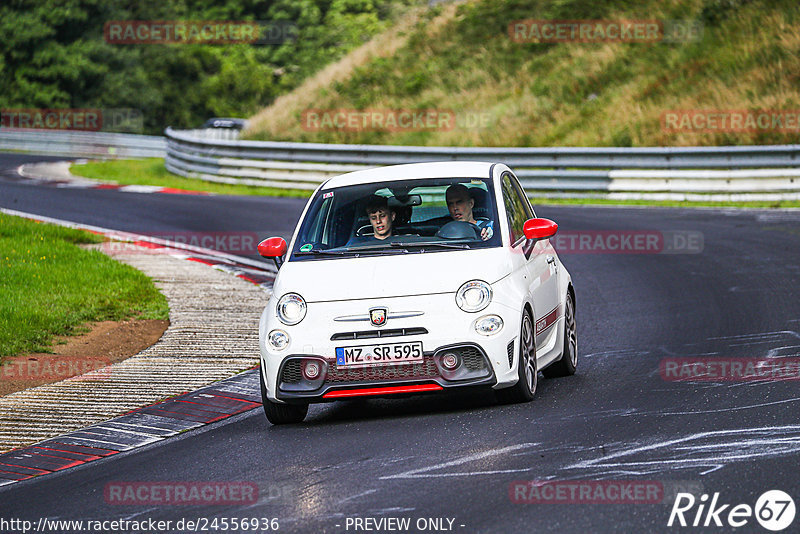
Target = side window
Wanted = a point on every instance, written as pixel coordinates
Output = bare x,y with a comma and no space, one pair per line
523,198
516,210
317,230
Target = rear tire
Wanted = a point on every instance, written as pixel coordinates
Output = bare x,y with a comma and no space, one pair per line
278,413
527,372
566,365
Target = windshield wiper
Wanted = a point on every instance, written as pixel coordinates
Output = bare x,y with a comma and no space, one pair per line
350,251
373,248
316,251
461,246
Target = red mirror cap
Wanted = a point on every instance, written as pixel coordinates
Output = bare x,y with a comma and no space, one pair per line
539,228
274,247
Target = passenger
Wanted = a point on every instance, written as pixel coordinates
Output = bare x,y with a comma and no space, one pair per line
381,217
460,203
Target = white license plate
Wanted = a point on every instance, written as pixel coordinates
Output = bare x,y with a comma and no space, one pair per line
386,354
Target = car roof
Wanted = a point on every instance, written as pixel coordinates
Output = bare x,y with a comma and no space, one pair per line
225,122
413,171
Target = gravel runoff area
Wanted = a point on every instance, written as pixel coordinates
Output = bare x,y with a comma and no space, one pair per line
213,334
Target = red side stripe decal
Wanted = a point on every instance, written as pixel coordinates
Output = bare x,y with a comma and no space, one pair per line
547,321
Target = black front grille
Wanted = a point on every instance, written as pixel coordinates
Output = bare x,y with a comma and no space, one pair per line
292,373
510,351
411,371
473,359
369,334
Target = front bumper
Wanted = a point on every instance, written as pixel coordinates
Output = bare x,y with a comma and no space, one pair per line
427,376
440,328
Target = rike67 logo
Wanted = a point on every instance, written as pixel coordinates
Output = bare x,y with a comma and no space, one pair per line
774,510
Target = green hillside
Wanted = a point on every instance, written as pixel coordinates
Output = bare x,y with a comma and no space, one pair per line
460,61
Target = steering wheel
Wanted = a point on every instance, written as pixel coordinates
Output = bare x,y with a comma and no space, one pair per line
459,230
363,230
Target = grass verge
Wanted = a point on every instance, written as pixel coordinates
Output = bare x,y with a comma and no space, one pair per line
151,171
52,287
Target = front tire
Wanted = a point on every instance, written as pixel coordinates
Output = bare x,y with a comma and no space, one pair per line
278,413
527,372
566,365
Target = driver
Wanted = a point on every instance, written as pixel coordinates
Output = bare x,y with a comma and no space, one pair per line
460,204
381,217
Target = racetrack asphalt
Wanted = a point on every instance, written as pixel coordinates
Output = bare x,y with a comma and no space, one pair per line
457,456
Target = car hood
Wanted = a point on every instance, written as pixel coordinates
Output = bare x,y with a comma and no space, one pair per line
334,279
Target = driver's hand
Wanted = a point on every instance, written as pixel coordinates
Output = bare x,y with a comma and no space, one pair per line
486,233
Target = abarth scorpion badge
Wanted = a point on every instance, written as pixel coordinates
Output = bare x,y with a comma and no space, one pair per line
377,316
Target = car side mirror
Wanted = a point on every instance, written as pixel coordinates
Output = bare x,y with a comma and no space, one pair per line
539,229
275,248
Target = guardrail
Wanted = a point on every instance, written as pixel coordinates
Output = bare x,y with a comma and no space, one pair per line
83,144
679,173
728,169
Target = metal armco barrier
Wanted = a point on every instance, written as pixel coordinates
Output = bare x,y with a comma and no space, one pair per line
83,144
768,170
662,173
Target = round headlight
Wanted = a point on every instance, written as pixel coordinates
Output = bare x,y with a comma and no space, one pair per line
278,339
474,296
291,309
486,326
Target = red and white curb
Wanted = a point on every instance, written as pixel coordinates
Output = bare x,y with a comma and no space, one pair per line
57,174
138,428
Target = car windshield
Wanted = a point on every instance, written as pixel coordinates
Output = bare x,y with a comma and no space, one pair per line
399,217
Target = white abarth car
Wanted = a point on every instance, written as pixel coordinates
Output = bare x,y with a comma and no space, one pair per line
415,279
